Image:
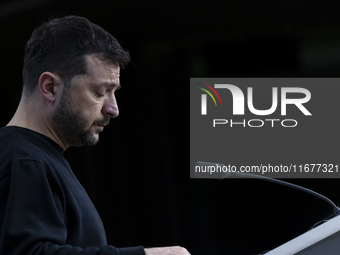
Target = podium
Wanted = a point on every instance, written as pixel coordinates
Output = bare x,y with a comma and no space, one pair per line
321,240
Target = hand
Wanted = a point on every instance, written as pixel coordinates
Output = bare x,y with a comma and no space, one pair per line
173,250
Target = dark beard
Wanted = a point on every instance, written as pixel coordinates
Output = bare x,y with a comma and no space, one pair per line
70,125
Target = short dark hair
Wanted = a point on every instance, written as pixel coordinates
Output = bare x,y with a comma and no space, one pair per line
61,45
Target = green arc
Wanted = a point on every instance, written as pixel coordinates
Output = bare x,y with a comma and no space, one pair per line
209,95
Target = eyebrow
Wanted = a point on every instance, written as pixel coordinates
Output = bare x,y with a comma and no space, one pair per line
106,85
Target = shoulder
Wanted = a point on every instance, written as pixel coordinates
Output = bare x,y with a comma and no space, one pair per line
26,146
18,143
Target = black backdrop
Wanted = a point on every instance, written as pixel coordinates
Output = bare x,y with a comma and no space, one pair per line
138,175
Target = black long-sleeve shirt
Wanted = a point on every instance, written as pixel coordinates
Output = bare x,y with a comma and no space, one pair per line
43,207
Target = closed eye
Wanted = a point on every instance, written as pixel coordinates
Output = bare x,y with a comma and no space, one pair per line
99,95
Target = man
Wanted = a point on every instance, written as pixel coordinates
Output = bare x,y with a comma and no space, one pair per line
70,75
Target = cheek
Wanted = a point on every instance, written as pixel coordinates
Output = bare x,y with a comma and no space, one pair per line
87,108
91,113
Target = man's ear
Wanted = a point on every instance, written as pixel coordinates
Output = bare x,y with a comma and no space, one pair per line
49,85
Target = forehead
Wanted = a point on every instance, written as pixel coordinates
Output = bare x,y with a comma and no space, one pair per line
103,71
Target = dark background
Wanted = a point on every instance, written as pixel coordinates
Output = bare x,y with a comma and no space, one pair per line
138,175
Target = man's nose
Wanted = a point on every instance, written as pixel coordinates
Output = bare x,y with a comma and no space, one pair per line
110,107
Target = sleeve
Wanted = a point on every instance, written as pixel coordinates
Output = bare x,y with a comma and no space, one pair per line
34,223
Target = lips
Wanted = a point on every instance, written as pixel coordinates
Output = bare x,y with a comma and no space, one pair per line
102,123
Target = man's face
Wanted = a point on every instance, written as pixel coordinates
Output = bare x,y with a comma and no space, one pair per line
88,104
